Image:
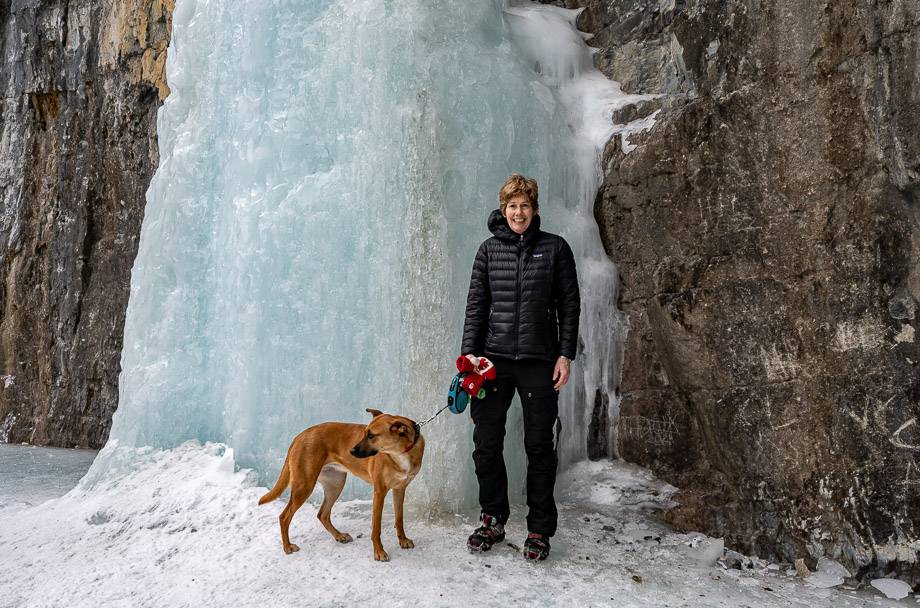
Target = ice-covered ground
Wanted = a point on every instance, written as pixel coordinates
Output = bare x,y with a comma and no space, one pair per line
182,528
30,475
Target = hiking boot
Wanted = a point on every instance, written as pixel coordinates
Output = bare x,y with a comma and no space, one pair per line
486,535
536,547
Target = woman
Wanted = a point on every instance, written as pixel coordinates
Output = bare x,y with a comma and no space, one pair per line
522,312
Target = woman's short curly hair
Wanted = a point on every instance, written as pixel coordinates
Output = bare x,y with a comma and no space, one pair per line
518,184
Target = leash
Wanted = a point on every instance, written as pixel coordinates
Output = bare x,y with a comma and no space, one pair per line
421,424
466,386
418,429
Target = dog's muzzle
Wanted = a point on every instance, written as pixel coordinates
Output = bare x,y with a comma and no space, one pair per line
359,452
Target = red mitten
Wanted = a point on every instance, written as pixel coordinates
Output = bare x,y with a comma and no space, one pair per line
486,369
472,383
465,363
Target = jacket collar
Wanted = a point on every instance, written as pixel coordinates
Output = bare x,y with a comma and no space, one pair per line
498,226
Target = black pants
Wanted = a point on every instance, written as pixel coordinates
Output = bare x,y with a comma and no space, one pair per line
533,380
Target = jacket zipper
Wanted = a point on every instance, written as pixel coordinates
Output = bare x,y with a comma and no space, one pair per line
517,298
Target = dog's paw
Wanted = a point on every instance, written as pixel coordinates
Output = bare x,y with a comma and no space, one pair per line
406,543
381,555
344,537
291,548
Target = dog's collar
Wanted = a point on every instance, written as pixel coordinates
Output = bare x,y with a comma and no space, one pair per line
418,433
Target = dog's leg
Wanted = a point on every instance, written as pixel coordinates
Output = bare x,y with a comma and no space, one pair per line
380,494
301,488
333,483
399,496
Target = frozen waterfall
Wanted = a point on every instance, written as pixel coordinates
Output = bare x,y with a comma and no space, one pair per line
327,167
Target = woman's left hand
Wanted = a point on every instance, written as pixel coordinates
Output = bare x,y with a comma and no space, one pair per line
561,373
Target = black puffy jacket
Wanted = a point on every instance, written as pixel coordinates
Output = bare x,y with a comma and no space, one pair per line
523,301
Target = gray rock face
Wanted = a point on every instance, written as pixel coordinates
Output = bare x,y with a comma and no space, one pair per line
81,83
767,230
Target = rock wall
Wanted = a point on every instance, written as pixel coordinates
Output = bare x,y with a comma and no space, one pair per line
767,230
81,82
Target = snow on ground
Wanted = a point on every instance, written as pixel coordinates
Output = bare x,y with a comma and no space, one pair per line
182,528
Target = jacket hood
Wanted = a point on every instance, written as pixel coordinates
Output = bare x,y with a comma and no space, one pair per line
498,226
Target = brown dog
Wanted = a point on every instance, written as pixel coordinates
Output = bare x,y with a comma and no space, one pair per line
387,454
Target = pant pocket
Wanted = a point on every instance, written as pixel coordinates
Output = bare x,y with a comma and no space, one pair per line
541,413
543,400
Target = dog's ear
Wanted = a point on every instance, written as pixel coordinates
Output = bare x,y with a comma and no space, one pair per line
374,412
399,428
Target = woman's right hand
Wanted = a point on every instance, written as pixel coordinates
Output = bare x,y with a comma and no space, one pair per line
561,372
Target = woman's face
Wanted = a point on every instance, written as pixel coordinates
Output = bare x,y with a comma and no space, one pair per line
519,213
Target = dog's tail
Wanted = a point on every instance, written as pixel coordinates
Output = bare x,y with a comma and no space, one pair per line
280,485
